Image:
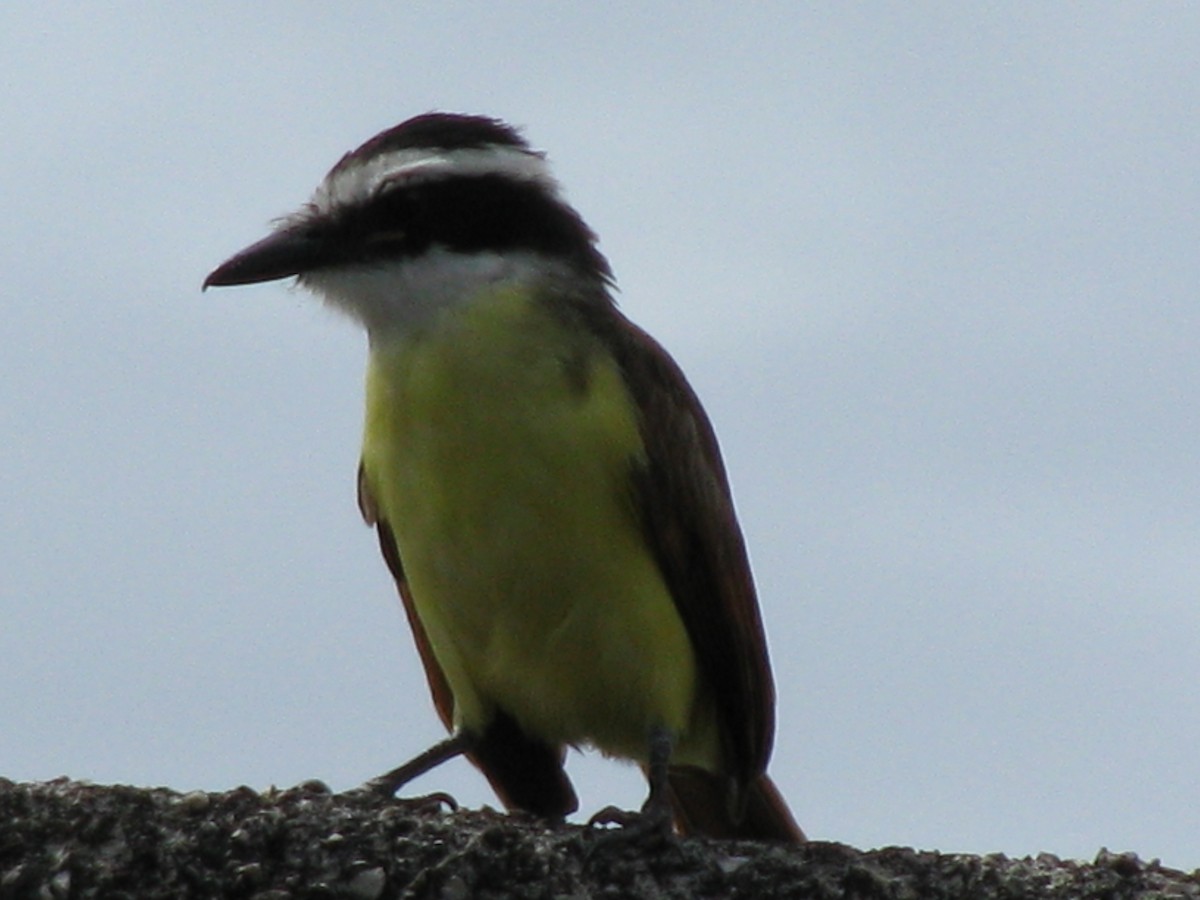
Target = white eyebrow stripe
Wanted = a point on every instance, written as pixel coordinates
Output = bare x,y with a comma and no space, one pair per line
358,182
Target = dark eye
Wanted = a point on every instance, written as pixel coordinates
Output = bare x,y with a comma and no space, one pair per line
391,238
389,213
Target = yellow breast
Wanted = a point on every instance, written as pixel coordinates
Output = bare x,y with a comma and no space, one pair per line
498,446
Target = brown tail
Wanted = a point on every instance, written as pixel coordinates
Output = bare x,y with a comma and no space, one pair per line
702,805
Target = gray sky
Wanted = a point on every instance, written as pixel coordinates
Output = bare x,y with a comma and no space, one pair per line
933,270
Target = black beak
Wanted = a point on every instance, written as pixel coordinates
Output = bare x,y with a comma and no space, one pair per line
287,252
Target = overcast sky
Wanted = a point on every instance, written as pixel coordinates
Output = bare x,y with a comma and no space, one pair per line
933,269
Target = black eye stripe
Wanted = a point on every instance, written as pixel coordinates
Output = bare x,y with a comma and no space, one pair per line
470,214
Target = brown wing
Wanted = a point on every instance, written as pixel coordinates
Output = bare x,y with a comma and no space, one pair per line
524,772
683,496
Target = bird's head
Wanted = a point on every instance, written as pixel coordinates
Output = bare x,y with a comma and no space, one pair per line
418,215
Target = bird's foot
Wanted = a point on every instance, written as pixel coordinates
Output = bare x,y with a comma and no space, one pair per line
652,824
389,782
382,789
435,802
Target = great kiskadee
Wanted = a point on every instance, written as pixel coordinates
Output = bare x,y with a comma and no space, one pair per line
546,488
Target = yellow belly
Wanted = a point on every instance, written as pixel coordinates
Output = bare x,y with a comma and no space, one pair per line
499,447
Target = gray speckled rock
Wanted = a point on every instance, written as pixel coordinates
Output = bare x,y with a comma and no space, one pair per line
67,839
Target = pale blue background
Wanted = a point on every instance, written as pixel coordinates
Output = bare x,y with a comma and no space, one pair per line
933,269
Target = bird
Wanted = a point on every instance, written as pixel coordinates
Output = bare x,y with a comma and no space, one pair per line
546,488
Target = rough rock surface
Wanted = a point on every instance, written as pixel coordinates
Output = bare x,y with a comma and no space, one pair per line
65,839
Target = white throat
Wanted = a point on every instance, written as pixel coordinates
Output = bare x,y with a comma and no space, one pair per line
399,299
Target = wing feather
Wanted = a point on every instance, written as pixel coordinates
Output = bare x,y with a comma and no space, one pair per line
683,497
